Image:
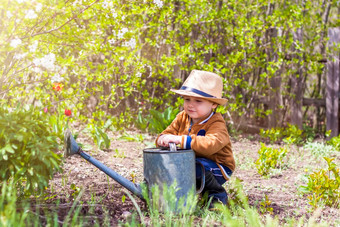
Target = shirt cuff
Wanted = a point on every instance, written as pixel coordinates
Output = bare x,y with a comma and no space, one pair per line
186,142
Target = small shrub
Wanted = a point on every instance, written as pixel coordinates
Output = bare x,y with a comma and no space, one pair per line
335,142
59,122
156,121
99,136
291,134
319,149
265,206
27,145
273,134
160,120
10,215
132,138
309,132
269,158
141,122
323,186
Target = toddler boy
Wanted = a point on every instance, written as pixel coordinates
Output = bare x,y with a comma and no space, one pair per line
200,128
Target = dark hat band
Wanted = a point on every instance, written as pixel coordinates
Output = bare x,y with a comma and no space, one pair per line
197,91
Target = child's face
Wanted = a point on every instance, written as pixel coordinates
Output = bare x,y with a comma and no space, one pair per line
198,109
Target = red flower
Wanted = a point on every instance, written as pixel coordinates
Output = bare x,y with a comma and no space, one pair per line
68,112
58,86
45,110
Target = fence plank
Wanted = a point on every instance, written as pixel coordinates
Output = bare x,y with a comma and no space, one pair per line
332,89
297,87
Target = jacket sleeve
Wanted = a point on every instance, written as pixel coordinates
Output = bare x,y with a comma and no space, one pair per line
174,127
214,140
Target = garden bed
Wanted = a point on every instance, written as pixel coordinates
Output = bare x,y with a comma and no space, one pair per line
104,199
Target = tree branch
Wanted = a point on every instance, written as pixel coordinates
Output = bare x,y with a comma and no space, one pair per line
71,19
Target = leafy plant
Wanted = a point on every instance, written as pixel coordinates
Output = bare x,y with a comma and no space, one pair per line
335,142
273,134
163,199
99,136
59,123
269,158
265,206
75,190
309,133
290,134
319,149
132,138
141,122
323,186
160,120
118,154
9,216
156,121
27,148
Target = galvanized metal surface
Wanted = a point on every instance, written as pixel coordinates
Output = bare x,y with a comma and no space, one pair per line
166,167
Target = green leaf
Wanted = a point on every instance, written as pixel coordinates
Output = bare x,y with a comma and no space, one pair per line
9,148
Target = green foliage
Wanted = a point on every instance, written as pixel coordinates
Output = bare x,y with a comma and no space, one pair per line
141,122
59,123
156,121
163,205
121,57
27,148
159,121
132,138
323,186
9,216
335,142
290,134
309,133
243,214
75,191
99,136
265,206
269,158
273,134
319,149
119,154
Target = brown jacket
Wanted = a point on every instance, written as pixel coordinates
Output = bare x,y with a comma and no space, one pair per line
209,138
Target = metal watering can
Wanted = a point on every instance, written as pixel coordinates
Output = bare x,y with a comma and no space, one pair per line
161,166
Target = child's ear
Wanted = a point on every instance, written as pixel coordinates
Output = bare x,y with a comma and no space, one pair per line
215,106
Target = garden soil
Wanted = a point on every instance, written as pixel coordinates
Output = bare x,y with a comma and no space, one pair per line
101,199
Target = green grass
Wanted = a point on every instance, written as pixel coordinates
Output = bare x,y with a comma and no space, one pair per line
15,211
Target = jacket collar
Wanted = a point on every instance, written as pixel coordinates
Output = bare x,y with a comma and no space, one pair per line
205,120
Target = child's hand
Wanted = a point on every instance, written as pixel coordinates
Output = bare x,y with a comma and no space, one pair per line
164,140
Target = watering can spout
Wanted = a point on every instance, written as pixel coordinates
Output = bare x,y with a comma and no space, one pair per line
71,148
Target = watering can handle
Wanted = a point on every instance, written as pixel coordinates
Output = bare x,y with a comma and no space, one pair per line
203,178
172,147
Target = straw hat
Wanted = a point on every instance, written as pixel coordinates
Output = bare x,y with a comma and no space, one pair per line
202,84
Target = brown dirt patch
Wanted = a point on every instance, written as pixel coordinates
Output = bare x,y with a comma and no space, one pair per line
104,198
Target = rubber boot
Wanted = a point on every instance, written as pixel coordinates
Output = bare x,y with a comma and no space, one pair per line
214,189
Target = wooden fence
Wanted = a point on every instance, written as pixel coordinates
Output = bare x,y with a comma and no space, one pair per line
332,89
330,102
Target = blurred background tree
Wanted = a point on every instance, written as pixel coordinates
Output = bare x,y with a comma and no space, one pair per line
117,59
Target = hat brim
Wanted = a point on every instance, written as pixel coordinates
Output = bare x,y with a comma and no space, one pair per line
220,101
